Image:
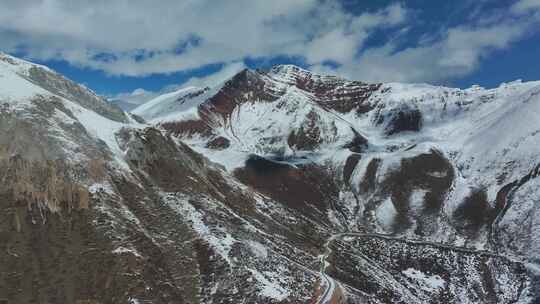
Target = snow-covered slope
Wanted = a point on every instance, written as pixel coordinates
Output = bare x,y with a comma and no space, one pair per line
277,186
483,129
413,160
173,103
29,91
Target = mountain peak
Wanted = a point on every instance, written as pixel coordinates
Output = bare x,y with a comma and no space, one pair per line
24,80
290,73
288,69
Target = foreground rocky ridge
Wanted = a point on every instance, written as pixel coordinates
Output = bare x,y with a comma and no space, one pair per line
277,186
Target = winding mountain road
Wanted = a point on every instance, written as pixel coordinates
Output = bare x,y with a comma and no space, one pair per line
331,285
333,290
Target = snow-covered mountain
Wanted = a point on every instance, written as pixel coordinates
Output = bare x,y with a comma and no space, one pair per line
184,99
278,186
411,160
129,101
483,139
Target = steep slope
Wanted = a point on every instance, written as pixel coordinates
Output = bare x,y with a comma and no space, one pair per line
97,208
173,102
417,162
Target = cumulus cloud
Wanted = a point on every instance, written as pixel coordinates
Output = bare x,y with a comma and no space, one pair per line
525,6
142,37
220,76
140,95
342,41
457,52
139,38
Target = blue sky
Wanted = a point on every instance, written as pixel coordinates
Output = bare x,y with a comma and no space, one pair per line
115,47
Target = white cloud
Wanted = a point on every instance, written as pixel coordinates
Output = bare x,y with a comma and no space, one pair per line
211,80
525,6
140,95
144,37
79,30
335,45
137,97
458,52
344,39
138,37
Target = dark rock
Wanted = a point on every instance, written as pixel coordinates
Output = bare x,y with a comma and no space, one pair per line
188,128
401,120
219,143
308,136
474,212
350,165
137,118
309,188
357,144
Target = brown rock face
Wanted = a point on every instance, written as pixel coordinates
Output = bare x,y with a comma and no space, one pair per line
219,143
308,136
401,120
43,185
330,92
188,128
308,189
52,251
244,86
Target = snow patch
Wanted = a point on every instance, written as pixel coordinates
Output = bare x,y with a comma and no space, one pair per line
122,250
258,249
416,200
386,213
221,244
102,129
101,187
430,283
269,285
